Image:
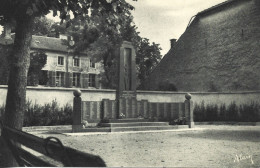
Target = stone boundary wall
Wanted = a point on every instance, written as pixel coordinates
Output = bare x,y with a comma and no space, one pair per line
42,95
197,97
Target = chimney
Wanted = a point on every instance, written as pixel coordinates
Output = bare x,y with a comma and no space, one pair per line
173,42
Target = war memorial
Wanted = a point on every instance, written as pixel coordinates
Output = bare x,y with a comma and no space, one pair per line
126,113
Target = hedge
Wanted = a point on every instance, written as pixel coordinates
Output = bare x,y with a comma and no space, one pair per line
232,112
45,115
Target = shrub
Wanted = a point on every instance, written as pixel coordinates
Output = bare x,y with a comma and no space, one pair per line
232,112
250,112
47,115
212,112
199,112
222,112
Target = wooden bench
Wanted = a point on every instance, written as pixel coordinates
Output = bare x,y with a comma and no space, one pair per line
52,152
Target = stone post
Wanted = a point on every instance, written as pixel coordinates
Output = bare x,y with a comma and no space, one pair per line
76,115
189,110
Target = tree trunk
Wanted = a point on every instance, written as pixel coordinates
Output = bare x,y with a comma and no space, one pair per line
20,60
19,64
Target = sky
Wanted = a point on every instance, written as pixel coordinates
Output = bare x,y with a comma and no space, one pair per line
162,20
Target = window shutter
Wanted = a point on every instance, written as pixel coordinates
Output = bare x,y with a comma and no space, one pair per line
67,79
85,80
63,79
51,79
97,81
82,80
70,79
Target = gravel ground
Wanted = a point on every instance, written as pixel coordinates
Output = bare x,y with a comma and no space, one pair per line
207,146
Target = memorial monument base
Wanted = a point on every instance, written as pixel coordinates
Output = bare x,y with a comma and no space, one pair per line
135,124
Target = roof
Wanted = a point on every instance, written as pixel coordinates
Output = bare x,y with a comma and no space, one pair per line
42,42
207,11
48,43
217,6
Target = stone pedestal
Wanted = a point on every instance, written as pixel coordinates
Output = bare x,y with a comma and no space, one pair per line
76,115
188,103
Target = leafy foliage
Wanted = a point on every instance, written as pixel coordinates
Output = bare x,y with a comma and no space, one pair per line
99,36
37,61
22,13
87,21
14,9
232,112
45,115
42,26
147,57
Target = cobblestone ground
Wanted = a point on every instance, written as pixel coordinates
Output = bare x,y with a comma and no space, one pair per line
208,146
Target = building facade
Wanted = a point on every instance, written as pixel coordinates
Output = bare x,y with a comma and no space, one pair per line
219,51
63,68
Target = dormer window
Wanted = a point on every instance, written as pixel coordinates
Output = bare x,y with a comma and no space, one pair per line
60,60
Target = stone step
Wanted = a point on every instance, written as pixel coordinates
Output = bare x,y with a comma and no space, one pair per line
131,124
133,129
126,120
147,128
100,129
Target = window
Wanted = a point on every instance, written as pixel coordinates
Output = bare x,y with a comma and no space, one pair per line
76,79
60,60
59,79
91,80
92,64
76,62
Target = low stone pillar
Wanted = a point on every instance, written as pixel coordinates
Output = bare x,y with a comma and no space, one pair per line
189,110
76,115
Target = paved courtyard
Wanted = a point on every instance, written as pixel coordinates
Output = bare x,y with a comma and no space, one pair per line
205,146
